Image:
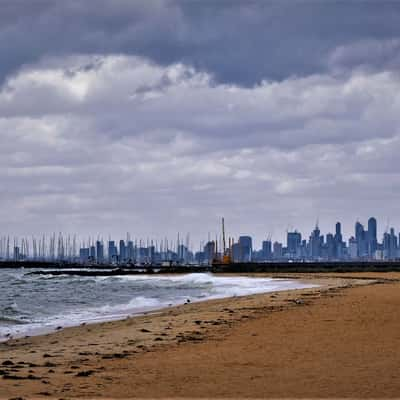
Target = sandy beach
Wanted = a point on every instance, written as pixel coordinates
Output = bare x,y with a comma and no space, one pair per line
338,340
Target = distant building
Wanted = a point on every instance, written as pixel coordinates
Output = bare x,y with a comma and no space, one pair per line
246,248
122,251
353,248
130,251
372,237
316,242
99,252
293,244
92,253
236,253
266,250
277,251
84,255
112,252
209,252
330,246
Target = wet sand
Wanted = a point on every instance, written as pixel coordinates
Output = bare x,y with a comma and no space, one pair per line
338,340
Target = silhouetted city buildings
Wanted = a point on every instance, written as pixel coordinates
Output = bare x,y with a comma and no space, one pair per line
362,246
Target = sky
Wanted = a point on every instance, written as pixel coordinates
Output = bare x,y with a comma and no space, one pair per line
159,117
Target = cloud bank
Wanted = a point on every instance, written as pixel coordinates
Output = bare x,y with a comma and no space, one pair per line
105,144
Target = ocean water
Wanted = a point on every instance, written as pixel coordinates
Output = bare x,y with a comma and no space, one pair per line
34,304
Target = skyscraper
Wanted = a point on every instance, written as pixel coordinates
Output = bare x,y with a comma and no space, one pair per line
246,248
266,250
316,241
99,252
278,251
112,251
361,240
209,251
372,237
293,244
122,251
338,241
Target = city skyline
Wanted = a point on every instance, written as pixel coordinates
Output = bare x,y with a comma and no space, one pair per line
333,245
277,232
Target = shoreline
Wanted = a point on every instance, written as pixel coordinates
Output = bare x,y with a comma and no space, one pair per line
96,359
58,323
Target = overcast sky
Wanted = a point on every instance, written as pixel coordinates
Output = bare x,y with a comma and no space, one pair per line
158,117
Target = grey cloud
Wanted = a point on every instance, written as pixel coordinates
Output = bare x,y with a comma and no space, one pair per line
236,42
368,55
130,96
111,147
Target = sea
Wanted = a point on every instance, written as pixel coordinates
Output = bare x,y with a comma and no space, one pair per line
36,304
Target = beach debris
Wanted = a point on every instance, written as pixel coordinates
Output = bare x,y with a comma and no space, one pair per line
115,355
296,301
17,377
85,353
46,364
85,373
7,362
144,330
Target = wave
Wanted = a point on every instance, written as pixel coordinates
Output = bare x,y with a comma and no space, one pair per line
109,298
11,321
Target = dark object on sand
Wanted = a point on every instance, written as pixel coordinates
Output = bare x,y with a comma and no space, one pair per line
85,373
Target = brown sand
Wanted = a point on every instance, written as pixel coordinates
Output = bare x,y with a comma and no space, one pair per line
339,340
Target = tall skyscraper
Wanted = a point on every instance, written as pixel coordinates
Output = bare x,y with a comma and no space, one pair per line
372,236
293,244
338,232
130,251
338,241
92,253
112,251
99,252
316,241
361,240
122,251
330,246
